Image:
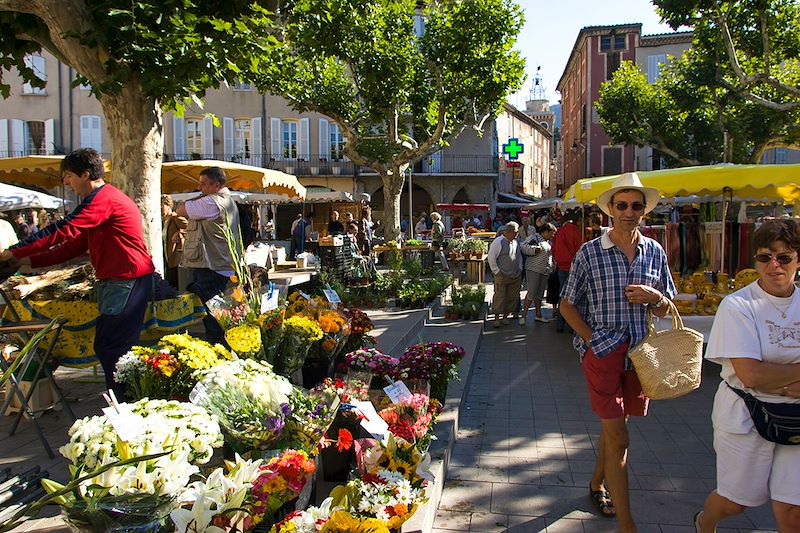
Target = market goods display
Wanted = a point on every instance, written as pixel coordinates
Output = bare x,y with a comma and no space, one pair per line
274,433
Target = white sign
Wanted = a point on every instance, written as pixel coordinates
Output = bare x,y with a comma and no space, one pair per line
397,392
126,424
371,422
269,303
332,296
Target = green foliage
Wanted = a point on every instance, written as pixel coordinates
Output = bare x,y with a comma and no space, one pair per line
173,49
705,98
412,267
360,63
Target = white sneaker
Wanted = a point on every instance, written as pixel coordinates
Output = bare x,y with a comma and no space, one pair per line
542,319
522,321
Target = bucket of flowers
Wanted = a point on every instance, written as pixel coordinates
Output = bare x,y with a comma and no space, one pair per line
312,413
360,326
271,326
391,485
412,419
250,401
338,459
136,496
299,333
249,497
434,361
319,362
167,371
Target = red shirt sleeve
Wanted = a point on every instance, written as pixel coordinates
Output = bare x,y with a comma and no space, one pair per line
89,214
69,250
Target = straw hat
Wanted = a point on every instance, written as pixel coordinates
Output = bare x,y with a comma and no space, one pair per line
629,180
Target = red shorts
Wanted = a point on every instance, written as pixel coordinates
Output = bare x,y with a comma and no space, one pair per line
613,391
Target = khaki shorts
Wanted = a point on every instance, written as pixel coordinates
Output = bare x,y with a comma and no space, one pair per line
536,284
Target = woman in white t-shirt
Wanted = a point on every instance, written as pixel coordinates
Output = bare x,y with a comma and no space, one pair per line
756,339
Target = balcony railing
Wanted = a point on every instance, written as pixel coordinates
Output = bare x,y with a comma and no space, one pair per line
315,165
326,166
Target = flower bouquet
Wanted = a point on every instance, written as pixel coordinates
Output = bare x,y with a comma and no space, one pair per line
412,419
390,488
360,326
250,400
311,520
312,414
271,326
245,340
299,333
232,307
217,504
369,360
335,330
167,370
281,480
135,496
337,460
434,361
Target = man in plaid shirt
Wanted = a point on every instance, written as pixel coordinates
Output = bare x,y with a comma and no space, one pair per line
613,281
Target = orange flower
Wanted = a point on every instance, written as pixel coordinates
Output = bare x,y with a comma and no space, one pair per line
234,279
345,440
238,294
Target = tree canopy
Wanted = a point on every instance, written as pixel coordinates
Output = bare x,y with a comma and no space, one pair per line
396,93
732,96
140,58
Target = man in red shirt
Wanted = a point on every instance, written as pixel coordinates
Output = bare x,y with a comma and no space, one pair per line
567,241
108,225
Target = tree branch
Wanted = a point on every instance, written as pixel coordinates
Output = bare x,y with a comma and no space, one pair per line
765,40
763,102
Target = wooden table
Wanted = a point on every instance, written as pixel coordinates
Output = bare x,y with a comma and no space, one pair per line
476,268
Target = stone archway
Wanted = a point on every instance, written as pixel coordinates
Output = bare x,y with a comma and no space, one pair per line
421,199
461,197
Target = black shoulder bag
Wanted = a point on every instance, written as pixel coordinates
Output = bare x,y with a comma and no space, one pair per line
776,422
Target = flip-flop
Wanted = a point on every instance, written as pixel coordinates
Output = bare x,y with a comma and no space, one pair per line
602,500
696,521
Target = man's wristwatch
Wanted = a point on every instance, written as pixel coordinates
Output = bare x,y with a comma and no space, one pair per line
661,302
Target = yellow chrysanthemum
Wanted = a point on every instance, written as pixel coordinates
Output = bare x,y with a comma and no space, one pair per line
245,340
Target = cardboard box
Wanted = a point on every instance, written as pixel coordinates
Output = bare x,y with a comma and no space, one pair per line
43,397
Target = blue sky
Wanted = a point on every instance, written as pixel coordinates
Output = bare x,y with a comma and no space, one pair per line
551,28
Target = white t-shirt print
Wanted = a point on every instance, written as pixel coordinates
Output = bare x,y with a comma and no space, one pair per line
749,324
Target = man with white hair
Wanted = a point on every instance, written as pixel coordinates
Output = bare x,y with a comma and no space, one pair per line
505,260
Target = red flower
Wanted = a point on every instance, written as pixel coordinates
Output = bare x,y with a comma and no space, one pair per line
345,440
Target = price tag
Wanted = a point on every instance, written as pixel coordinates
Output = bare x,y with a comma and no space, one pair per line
198,394
332,296
371,422
397,392
304,295
270,302
126,424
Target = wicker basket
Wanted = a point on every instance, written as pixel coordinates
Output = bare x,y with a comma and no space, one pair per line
668,363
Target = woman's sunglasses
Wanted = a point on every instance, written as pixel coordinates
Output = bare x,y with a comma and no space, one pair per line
623,206
783,259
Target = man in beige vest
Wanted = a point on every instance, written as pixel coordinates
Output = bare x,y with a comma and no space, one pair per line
205,251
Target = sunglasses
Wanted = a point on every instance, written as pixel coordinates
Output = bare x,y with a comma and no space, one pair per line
783,259
623,206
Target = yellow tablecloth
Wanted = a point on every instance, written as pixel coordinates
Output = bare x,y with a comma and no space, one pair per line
75,347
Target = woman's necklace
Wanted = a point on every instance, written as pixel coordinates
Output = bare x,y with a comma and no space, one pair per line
776,306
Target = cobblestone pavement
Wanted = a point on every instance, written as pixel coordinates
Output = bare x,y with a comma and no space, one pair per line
527,439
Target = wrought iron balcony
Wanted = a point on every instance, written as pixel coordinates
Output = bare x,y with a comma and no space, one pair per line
315,165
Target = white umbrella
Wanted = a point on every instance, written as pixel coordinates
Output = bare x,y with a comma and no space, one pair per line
12,197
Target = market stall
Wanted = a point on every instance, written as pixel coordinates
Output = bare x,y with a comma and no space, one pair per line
12,197
75,346
453,215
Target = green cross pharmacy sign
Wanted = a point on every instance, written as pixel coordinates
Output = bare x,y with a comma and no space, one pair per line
513,148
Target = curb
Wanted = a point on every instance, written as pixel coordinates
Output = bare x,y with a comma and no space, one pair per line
445,432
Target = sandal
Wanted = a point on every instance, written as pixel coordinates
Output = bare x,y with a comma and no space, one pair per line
696,521
602,500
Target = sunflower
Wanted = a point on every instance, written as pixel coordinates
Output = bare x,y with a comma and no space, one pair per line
344,522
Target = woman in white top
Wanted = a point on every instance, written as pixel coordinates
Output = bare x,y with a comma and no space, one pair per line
756,339
421,227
